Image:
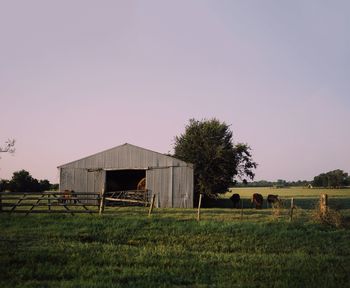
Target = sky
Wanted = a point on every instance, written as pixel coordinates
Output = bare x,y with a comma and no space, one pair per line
80,76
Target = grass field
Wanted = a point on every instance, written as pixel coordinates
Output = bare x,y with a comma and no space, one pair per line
125,248
303,198
290,192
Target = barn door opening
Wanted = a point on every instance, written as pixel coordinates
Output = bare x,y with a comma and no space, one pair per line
122,180
126,186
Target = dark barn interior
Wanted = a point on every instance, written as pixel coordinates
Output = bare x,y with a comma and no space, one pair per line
123,180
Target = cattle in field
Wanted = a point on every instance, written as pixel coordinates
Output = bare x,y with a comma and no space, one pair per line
69,196
257,201
273,200
66,196
74,196
235,198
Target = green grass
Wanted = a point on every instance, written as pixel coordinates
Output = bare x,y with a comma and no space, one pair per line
303,198
290,192
125,248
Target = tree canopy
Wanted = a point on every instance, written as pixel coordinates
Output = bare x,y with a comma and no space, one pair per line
22,181
332,179
218,162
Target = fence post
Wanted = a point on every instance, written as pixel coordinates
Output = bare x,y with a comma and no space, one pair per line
0,202
199,208
102,201
291,209
324,204
241,208
152,205
49,202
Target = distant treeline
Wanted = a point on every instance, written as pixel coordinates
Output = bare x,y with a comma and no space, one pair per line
332,179
277,184
22,181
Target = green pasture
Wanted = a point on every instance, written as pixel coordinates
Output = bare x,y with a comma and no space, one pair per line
304,198
125,248
289,192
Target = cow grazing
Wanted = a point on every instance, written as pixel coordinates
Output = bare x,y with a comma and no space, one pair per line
69,196
74,197
235,198
273,200
257,200
66,196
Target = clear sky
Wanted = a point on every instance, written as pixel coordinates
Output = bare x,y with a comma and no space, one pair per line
78,77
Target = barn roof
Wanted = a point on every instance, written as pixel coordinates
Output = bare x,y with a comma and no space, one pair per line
118,149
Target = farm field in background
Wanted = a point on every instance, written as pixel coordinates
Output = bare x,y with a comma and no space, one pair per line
289,192
304,198
125,248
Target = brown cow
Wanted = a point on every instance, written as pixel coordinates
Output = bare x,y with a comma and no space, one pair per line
273,200
69,196
235,198
66,196
257,200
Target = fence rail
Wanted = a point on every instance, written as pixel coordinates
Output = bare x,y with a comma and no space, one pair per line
49,202
68,201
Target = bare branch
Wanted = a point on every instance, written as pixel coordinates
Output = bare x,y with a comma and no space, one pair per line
9,146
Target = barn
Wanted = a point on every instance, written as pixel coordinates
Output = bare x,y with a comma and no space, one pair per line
123,167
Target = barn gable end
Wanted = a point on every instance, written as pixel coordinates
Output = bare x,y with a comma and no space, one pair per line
170,179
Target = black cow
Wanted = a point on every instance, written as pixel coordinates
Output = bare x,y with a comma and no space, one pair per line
74,196
257,200
235,198
273,200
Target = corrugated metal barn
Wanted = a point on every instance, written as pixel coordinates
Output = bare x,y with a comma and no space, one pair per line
122,167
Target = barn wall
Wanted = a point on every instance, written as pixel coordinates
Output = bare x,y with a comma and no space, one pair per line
183,187
170,179
80,180
173,186
66,179
157,181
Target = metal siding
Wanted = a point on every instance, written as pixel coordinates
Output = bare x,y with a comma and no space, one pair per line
80,180
171,187
189,186
90,182
123,157
149,183
99,180
67,180
177,195
96,180
170,184
158,184
165,200
183,187
63,179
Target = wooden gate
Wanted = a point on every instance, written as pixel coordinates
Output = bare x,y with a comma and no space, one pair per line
49,202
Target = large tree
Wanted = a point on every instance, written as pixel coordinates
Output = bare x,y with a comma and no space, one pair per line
332,179
218,162
22,181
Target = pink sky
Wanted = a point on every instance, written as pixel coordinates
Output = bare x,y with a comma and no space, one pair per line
78,77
